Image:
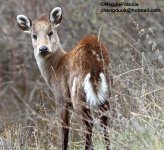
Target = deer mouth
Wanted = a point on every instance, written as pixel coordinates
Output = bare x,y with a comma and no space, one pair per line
44,53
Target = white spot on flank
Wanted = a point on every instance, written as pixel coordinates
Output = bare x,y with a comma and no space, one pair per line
97,55
92,98
98,58
94,53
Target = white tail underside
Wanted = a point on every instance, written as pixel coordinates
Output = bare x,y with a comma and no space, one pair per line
92,98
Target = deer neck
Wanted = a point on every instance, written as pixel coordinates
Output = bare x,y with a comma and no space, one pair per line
47,66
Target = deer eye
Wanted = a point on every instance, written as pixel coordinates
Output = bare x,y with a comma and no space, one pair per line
34,36
50,33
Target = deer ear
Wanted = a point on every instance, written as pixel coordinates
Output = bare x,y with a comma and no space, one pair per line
24,23
56,16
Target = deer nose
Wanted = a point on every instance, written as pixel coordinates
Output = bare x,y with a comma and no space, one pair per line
43,50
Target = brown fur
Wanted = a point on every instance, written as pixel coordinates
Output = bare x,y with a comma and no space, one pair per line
81,61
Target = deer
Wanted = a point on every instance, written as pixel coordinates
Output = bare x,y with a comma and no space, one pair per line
80,77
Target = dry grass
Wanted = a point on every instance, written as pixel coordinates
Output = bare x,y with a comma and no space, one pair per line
28,116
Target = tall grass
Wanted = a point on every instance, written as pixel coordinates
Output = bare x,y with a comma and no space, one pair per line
29,116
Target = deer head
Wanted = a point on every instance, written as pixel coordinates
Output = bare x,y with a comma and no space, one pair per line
43,32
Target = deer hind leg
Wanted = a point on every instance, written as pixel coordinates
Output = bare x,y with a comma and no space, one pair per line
88,121
65,126
104,123
83,112
85,115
